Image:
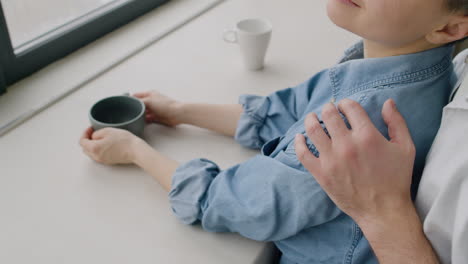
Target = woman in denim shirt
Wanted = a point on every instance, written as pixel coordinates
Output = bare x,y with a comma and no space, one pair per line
271,197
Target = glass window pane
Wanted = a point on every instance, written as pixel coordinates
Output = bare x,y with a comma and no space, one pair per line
29,20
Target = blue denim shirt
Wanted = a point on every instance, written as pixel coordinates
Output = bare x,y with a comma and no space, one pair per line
271,197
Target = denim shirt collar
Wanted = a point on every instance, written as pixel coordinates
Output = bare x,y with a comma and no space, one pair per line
354,52
354,73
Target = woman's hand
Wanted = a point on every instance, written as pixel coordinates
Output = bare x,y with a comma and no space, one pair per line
160,108
109,146
112,146
222,118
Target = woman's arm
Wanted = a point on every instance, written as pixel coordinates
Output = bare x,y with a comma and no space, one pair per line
221,118
115,146
254,121
154,163
369,178
199,190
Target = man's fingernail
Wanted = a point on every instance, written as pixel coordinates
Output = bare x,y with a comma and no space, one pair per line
393,104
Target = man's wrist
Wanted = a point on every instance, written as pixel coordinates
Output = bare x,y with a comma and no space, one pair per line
387,214
398,234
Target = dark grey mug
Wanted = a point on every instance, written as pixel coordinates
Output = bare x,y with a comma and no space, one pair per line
124,112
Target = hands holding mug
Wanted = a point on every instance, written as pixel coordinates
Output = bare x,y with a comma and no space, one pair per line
115,140
160,108
367,176
109,146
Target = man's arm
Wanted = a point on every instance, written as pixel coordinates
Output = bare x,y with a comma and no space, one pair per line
397,236
369,178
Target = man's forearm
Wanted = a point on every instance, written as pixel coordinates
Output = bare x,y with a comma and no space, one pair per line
154,163
221,118
398,237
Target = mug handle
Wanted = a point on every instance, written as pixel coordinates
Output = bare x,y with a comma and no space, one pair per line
230,36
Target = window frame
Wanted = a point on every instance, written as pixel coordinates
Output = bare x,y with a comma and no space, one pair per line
14,67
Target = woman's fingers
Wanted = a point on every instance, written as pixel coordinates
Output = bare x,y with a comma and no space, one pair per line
87,133
99,134
142,94
85,138
150,118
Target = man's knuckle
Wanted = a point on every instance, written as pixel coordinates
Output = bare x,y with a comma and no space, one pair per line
327,112
315,128
367,137
351,103
300,153
348,151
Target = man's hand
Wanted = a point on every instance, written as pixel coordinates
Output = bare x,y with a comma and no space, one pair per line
359,168
369,178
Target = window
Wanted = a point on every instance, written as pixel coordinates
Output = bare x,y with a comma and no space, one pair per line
36,33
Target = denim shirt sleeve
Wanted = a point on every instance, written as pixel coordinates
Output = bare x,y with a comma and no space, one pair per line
268,117
255,199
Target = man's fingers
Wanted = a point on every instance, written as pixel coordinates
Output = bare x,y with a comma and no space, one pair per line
333,121
356,115
397,128
316,133
310,162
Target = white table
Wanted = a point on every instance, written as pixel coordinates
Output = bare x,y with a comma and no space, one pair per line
57,206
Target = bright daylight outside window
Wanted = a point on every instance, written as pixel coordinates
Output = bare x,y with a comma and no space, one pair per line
34,33
28,20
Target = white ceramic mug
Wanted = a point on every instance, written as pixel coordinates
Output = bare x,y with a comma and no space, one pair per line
253,37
